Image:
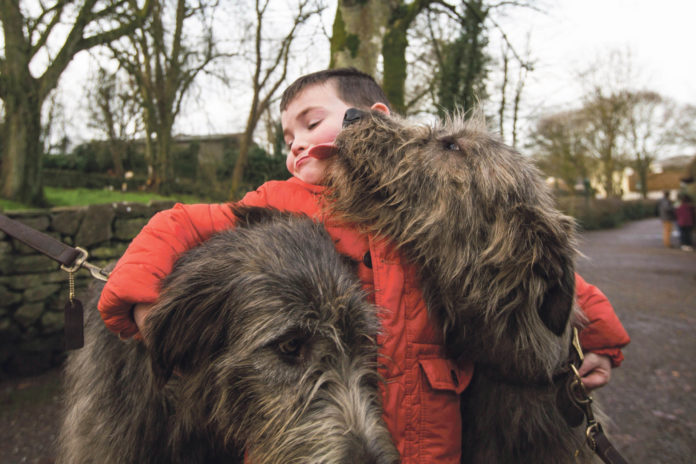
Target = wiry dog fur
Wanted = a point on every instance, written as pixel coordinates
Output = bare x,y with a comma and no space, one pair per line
273,348
496,265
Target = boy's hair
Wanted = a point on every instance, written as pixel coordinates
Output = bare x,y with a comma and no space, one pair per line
353,87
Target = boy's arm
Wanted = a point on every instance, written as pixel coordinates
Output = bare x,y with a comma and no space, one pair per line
152,254
604,333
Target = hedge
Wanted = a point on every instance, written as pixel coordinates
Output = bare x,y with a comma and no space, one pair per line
593,214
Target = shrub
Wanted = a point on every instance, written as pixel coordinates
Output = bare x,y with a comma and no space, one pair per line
185,161
261,167
593,214
94,157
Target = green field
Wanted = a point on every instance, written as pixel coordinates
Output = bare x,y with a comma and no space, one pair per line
83,197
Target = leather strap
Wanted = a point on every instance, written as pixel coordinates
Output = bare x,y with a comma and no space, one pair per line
45,244
605,450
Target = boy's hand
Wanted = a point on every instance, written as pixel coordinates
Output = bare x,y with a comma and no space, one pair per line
140,312
595,370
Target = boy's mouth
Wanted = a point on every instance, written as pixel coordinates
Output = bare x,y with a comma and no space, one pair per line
322,150
300,161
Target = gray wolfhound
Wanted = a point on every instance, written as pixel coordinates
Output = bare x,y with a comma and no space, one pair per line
496,263
261,341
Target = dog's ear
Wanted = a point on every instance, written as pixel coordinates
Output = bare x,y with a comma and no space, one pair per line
557,305
545,241
185,328
557,267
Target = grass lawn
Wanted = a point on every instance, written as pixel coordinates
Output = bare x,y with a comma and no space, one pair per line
83,197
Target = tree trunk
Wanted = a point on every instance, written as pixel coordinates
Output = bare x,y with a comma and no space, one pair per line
516,106
643,175
358,29
394,47
357,34
117,149
236,190
503,95
21,163
149,161
163,170
642,167
394,54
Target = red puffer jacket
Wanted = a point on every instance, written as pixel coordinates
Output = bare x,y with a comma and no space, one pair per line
421,392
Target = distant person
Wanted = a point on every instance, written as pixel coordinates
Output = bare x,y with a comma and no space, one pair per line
685,221
665,209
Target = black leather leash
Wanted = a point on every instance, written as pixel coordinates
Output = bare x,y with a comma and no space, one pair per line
575,404
71,260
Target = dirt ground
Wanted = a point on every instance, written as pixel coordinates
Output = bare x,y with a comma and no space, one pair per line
650,399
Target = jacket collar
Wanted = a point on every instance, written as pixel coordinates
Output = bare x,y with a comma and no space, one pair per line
311,187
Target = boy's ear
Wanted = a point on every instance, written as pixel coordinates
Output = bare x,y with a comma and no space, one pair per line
381,107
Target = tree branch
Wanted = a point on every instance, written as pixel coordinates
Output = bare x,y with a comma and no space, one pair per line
75,42
43,37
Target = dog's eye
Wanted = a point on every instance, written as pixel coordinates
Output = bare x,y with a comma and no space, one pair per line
450,145
290,347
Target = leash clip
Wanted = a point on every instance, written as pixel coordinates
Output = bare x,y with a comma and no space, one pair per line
81,261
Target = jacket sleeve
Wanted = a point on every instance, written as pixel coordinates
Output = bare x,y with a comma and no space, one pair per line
152,254
604,334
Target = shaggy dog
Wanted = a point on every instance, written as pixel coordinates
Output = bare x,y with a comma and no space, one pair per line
496,266
262,340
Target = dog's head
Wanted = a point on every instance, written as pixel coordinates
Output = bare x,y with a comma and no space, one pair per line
450,175
269,324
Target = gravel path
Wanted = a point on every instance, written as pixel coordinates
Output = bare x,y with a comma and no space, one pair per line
650,399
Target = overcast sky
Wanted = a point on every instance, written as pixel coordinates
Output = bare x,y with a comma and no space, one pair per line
660,36
566,38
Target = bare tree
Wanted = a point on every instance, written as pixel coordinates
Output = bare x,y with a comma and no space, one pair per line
34,32
164,58
649,131
560,147
115,111
53,129
523,71
608,92
607,117
503,93
685,130
518,83
270,58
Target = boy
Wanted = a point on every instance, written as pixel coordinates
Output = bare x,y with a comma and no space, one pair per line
422,387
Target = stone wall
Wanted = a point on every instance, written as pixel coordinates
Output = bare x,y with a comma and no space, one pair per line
33,289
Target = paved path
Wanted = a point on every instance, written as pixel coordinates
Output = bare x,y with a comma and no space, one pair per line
652,396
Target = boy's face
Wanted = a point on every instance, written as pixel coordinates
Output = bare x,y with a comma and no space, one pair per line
314,117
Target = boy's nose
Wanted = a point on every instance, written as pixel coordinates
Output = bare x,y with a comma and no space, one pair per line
352,115
298,146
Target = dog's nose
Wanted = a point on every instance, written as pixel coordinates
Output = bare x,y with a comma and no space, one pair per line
352,115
